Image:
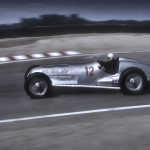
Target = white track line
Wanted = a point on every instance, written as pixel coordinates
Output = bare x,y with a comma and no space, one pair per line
75,113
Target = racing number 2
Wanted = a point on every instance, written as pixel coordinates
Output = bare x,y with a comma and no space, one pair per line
91,68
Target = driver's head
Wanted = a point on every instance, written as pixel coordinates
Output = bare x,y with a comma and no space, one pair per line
110,56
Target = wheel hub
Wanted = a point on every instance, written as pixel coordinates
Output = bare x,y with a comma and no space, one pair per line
133,82
38,86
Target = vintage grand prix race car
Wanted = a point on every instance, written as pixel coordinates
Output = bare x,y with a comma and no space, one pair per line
130,76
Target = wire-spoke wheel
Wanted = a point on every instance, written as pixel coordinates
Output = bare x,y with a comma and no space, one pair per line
133,82
37,86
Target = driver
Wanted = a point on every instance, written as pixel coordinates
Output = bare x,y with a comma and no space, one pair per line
110,65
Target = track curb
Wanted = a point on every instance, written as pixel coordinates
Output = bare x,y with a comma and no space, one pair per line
37,56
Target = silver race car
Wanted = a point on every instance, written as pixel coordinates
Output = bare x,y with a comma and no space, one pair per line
128,75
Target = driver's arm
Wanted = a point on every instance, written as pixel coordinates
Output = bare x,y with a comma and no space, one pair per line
101,65
100,62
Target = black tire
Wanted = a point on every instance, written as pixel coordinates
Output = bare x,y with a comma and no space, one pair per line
37,86
133,82
28,70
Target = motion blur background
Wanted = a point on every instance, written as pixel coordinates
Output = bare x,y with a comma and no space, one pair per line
95,10
44,17
91,27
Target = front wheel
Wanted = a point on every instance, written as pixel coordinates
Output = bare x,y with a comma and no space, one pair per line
133,83
37,86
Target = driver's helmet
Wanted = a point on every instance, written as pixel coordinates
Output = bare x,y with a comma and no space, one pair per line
110,56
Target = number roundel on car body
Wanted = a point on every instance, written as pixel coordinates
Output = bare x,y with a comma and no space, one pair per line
89,70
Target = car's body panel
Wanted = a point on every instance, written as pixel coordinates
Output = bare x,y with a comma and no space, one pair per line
88,74
125,63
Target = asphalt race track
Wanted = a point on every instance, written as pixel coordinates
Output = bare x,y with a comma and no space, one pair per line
112,129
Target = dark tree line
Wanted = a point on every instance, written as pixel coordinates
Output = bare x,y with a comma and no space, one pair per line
53,24
49,20
73,19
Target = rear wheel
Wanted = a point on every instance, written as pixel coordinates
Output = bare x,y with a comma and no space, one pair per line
133,82
37,86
